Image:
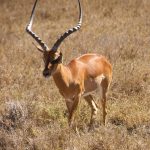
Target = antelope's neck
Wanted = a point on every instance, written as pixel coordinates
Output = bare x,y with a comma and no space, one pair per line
62,77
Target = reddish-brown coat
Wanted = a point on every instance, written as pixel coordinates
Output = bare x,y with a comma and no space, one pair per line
83,75
74,75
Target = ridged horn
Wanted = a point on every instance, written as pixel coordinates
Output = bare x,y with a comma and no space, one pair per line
70,31
35,36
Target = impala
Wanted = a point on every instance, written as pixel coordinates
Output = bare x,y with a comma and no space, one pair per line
80,78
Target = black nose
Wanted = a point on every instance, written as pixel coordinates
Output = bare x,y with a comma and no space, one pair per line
46,73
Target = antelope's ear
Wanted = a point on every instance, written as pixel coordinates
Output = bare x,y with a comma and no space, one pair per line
38,47
59,57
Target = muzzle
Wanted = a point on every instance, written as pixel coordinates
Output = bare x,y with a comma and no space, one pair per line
46,73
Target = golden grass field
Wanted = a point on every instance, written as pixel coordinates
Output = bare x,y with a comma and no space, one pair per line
32,112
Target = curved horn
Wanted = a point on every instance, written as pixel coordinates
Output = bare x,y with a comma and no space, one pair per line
70,31
29,30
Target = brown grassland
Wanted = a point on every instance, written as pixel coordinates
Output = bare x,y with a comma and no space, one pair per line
33,113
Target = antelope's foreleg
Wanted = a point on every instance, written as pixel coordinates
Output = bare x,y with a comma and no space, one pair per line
72,109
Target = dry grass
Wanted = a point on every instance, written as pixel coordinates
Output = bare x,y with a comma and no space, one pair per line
32,112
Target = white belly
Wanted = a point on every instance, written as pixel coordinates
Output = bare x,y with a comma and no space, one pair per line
93,85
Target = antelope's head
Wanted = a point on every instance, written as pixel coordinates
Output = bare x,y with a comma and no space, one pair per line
52,57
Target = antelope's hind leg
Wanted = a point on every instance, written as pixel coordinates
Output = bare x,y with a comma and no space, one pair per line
94,108
104,89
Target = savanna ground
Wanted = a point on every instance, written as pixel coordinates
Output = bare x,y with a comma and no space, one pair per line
32,112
